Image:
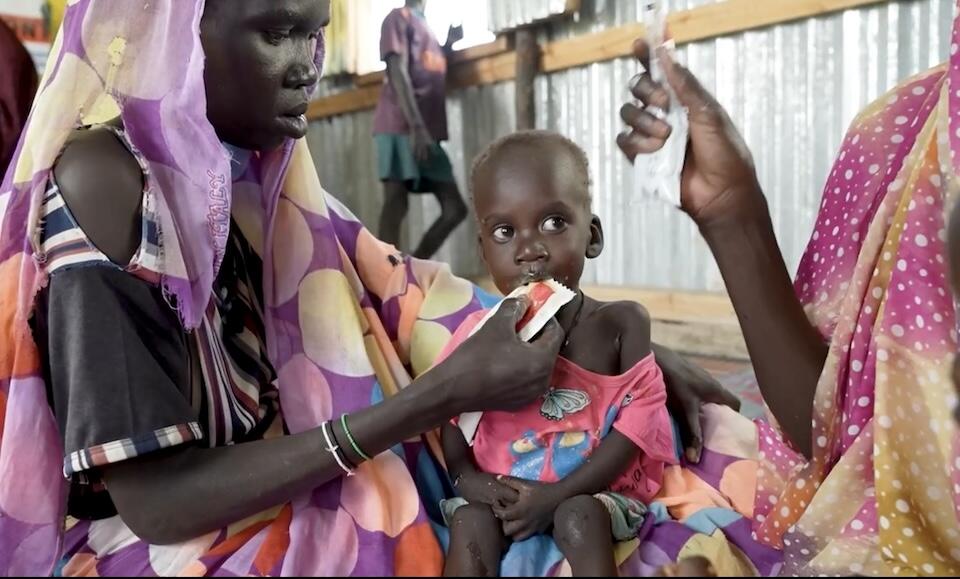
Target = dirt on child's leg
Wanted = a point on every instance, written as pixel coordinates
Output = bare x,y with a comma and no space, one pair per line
476,543
581,528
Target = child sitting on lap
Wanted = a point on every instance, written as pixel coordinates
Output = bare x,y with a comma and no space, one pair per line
583,463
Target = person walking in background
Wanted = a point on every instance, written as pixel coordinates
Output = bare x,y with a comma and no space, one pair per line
18,85
410,123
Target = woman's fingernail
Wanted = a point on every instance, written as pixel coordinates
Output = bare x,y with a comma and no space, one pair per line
693,455
636,80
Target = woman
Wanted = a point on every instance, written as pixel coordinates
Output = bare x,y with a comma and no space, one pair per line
214,353
858,373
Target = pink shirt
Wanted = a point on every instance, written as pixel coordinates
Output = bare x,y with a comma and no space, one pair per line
550,439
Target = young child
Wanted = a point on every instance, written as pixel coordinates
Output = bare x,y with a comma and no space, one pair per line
584,462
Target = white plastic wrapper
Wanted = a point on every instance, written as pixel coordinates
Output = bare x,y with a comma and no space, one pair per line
657,175
546,298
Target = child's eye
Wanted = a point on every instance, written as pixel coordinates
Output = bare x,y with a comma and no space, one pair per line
502,233
276,37
554,224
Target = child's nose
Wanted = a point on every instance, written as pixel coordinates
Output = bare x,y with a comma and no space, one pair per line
532,251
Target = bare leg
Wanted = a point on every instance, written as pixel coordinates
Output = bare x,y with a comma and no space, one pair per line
452,213
395,206
581,528
476,543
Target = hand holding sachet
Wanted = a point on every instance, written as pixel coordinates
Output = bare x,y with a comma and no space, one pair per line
657,175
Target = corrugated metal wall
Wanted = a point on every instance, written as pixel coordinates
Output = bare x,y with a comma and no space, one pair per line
792,90
507,14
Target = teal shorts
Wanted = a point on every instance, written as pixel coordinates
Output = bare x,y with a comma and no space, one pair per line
395,162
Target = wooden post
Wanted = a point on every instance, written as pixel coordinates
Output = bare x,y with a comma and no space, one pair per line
528,64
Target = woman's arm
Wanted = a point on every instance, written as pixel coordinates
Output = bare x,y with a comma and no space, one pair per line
493,370
719,190
788,353
219,486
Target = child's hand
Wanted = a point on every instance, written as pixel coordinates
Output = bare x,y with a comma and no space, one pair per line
532,513
480,487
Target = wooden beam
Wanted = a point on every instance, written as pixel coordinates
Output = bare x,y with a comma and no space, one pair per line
732,16
588,49
494,69
496,62
709,21
487,70
498,46
343,103
370,79
487,75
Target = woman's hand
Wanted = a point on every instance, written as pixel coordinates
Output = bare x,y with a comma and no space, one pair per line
689,387
495,369
719,181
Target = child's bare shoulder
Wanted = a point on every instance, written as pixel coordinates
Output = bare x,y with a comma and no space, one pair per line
631,321
625,314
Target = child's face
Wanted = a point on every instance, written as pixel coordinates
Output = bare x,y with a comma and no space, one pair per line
534,217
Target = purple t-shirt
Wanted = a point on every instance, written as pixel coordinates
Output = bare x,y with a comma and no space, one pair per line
406,33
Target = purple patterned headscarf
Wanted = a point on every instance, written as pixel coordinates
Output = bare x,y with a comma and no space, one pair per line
143,62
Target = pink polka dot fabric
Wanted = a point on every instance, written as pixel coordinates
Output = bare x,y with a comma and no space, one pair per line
880,495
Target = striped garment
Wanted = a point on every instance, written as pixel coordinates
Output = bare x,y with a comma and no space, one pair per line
239,398
63,243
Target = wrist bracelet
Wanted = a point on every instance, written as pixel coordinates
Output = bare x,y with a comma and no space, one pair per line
334,450
353,443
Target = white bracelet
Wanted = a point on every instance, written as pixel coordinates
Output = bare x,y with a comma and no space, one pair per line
332,449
